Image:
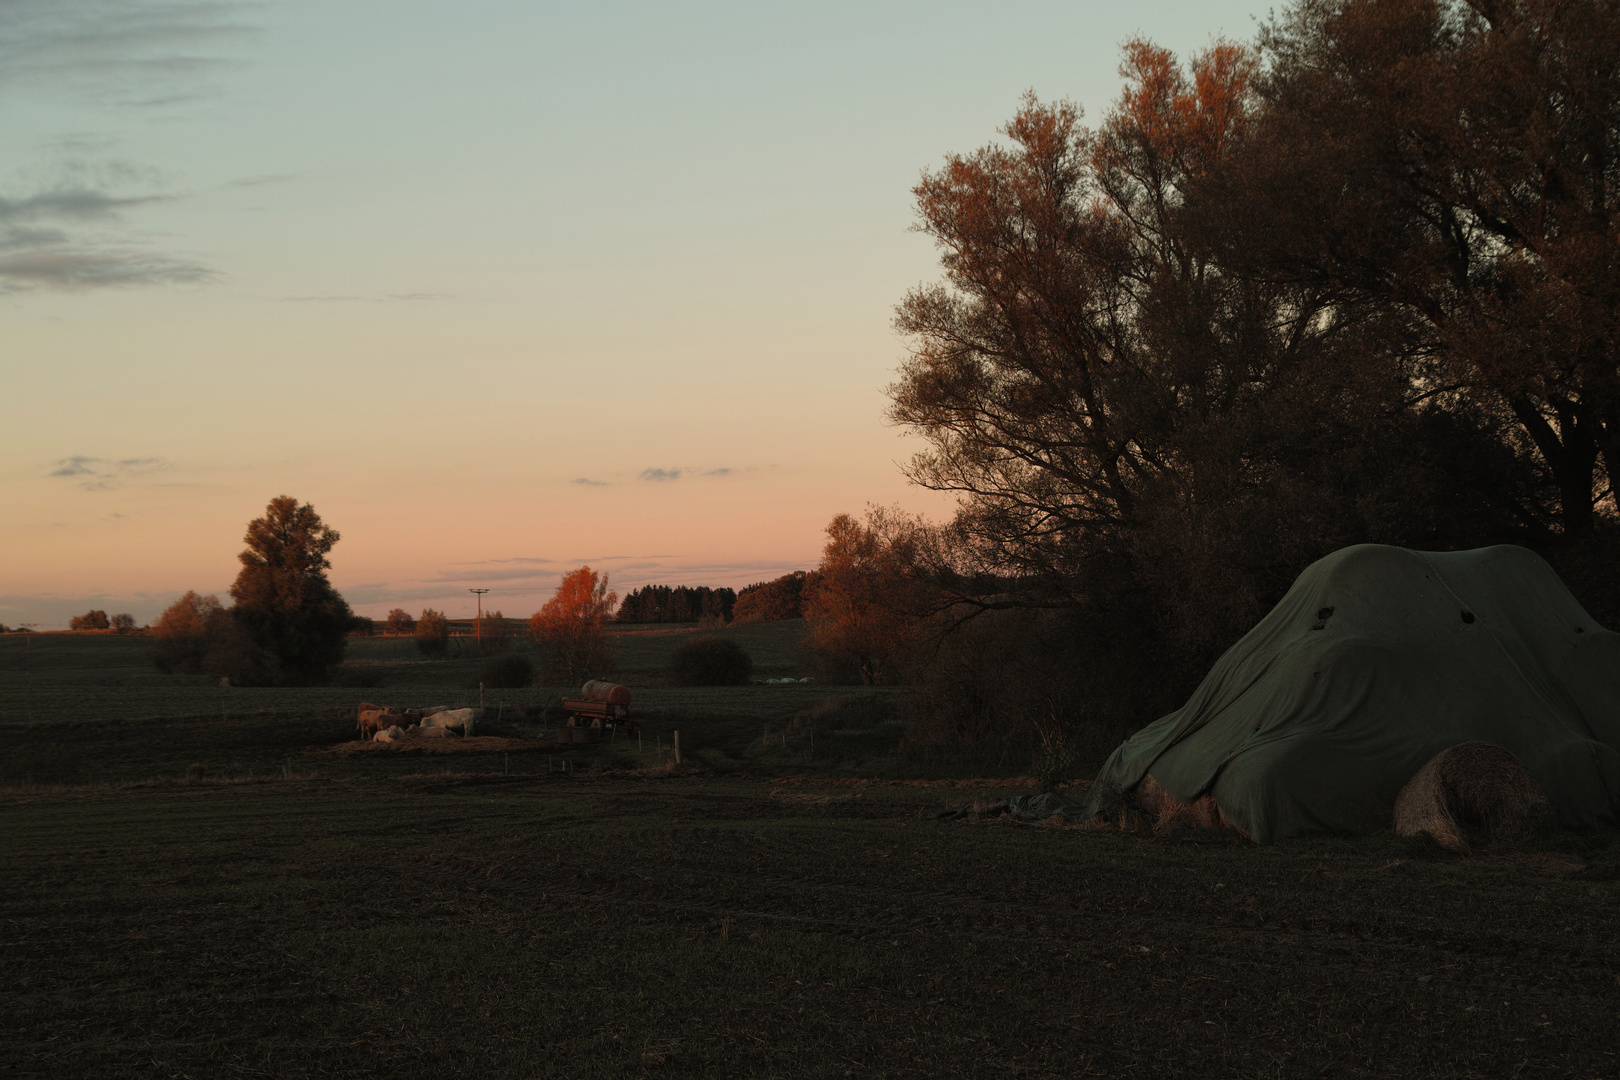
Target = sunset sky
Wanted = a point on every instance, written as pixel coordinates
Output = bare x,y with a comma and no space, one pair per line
500,288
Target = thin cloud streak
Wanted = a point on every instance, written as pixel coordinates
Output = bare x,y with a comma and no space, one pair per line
144,55
74,204
103,475
73,270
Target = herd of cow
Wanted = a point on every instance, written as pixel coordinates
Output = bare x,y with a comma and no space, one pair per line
384,723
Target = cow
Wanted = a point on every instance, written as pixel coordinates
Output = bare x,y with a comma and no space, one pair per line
378,719
461,720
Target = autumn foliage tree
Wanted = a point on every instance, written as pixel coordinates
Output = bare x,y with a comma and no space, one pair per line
400,622
570,629
90,620
865,608
1137,422
283,598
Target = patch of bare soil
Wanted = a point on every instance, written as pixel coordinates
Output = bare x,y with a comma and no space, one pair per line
477,744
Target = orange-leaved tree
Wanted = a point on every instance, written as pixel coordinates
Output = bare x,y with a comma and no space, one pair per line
571,628
866,604
400,622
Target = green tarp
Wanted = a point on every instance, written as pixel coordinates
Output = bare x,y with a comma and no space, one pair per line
1376,660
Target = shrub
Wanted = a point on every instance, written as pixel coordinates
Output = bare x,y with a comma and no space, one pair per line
433,634
1053,691
710,661
492,633
198,636
510,672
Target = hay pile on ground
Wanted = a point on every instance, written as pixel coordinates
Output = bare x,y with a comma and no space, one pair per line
1167,812
1473,796
1148,807
473,744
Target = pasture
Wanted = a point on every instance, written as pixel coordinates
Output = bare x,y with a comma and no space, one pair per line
188,890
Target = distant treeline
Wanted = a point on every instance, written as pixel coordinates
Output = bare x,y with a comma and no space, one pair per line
763,601
774,601
677,604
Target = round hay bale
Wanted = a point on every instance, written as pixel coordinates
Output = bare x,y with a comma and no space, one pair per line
1473,796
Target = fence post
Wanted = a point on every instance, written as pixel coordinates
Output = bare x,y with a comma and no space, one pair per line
677,748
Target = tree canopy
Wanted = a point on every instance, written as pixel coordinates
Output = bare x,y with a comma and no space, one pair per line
283,598
571,628
1355,283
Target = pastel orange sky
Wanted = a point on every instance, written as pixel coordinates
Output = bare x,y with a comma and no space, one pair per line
500,288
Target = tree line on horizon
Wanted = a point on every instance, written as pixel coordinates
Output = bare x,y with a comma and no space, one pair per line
677,604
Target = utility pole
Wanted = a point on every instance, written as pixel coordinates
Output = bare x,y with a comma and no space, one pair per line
478,627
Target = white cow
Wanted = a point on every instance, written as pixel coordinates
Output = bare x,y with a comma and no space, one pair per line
462,720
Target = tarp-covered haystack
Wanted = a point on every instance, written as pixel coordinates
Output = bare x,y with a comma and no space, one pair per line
1376,661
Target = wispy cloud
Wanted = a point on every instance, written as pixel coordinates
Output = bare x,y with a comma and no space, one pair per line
101,474
55,266
588,482
142,54
73,204
718,472
476,576
150,55
660,475
37,254
261,180
381,298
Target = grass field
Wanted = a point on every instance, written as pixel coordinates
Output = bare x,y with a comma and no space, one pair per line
191,895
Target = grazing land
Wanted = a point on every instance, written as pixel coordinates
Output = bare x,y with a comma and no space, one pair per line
196,893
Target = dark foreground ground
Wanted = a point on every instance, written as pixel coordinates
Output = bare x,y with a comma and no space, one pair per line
193,884
478,924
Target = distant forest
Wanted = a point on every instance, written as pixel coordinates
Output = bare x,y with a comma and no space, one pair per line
677,604
763,601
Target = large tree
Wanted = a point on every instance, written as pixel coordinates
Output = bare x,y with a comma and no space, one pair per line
283,598
1458,164
1136,415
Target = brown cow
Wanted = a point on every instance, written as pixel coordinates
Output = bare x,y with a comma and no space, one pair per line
379,719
